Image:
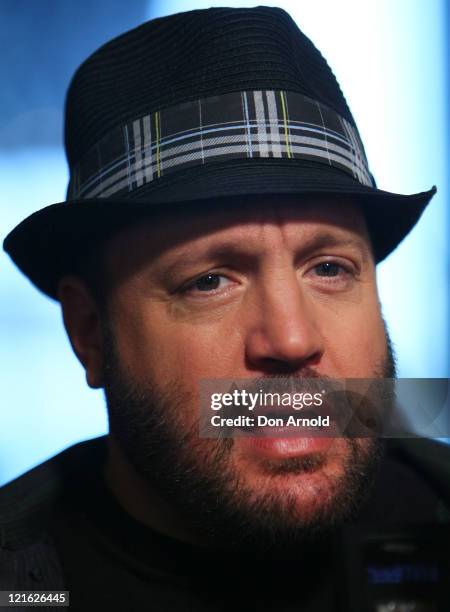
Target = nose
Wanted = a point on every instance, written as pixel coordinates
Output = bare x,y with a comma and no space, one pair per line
283,333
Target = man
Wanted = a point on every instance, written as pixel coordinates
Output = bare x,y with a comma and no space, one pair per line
221,223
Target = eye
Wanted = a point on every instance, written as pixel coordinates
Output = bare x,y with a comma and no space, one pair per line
333,274
329,268
207,283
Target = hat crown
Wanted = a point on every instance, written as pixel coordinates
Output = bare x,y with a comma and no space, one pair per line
192,55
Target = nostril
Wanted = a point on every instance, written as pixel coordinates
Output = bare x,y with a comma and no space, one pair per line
278,366
302,366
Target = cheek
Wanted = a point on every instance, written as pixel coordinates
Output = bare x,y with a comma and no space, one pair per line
357,344
153,346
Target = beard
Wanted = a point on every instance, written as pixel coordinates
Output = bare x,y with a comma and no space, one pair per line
201,480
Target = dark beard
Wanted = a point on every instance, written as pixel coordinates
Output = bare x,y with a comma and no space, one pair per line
196,476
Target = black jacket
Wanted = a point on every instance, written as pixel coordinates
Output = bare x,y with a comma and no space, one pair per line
410,503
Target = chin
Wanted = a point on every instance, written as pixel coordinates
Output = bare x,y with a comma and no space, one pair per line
306,484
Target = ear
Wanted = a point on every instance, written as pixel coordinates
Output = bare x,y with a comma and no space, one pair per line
82,322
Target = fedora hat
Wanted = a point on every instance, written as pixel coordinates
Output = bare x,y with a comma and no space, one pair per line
203,106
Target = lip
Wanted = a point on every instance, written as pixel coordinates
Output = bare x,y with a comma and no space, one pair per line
278,442
284,448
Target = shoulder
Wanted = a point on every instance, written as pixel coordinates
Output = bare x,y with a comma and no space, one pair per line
28,556
27,503
430,459
412,485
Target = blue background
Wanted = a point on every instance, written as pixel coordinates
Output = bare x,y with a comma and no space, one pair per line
391,59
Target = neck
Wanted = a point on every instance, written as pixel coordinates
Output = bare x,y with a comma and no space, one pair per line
141,501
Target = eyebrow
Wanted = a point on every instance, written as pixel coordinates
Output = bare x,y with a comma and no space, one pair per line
325,239
239,248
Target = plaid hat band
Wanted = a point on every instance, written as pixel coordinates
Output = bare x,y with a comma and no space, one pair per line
249,124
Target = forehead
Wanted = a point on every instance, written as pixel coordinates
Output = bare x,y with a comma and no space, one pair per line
239,222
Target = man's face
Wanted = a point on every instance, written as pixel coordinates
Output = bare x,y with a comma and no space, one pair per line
260,290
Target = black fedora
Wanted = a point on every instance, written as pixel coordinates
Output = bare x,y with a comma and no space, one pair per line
204,106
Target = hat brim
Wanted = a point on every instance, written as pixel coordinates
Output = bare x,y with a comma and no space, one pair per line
49,243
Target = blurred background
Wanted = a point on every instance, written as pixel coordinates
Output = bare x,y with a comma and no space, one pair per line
392,62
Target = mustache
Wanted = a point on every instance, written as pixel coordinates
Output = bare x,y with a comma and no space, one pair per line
284,383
